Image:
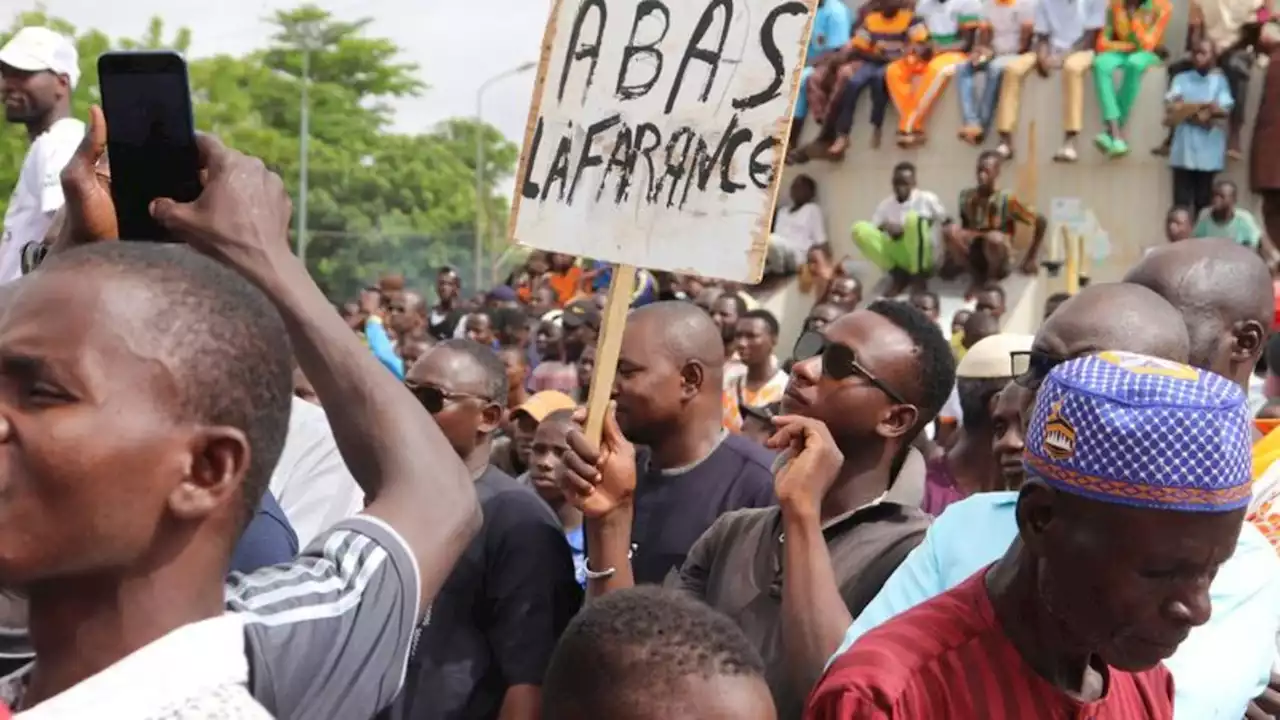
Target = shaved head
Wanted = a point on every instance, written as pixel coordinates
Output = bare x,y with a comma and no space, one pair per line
1222,291
670,373
682,330
1115,316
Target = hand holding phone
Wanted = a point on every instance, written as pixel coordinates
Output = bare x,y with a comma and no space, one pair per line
150,136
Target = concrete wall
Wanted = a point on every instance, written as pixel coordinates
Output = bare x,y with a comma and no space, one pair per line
1129,196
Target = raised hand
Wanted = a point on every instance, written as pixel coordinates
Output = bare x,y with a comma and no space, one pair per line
89,213
598,481
241,217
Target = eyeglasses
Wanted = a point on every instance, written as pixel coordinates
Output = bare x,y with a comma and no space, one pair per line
839,362
434,399
1031,367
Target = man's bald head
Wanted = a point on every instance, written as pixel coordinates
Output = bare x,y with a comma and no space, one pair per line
1223,292
682,331
1115,316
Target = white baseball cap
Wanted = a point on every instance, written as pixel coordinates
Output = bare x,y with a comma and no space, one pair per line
34,49
988,359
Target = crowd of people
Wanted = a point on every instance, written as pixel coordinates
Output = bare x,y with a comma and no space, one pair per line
223,497
905,52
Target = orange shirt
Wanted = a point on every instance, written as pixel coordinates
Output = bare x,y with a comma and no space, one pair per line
566,284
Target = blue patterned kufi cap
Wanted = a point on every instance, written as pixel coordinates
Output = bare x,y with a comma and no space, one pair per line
1136,430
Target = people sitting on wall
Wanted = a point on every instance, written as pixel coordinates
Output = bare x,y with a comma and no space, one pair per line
917,79
824,84
797,228
832,29
1066,33
1005,32
1196,107
902,237
1128,43
881,38
981,243
1232,28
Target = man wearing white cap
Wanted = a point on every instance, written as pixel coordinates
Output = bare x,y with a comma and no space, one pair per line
969,465
38,70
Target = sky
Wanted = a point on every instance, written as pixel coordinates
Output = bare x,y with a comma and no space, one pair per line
454,51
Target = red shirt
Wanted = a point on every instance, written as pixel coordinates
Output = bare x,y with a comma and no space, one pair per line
949,658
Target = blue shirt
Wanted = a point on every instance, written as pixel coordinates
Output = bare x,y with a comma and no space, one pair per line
381,347
1195,147
832,28
1217,670
269,539
578,546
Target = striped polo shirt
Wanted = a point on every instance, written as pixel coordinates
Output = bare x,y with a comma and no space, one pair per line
949,658
889,34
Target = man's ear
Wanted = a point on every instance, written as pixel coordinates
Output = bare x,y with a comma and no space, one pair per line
897,420
491,418
692,375
1035,513
1248,340
219,461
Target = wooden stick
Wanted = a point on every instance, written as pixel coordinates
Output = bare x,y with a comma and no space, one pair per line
622,284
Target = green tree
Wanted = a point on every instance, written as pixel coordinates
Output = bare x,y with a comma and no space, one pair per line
378,200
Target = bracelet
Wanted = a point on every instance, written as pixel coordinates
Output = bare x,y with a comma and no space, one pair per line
607,572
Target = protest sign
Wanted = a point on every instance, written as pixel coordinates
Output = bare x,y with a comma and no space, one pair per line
657,132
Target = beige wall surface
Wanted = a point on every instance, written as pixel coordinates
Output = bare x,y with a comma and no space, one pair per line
1129,196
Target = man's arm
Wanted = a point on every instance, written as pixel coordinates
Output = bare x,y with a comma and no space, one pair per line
383,432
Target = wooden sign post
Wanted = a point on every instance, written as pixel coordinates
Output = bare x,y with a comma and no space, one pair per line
655,139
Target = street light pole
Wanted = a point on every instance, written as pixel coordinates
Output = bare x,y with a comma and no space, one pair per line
482,209
305,131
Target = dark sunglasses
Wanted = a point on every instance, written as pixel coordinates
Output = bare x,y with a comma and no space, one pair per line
839,362
434,399
1031,367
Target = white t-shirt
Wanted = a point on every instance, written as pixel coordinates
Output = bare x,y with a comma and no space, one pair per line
197,672
923,203
951,411
38,194
1007,18
311,482
943,18
799,230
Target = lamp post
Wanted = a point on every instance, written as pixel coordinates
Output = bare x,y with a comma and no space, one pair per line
481,205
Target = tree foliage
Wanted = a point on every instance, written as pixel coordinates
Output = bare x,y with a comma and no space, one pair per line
378,200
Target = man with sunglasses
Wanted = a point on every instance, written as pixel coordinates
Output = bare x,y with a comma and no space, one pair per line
486,645
875,377
1222,664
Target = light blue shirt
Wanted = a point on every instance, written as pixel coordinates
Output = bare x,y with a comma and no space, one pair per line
1217,670
832,28
1064,22
1195,147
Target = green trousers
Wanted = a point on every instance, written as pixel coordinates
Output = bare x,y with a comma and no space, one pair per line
1117,106
912,253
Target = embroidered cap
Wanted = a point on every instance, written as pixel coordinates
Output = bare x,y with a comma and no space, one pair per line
1136,430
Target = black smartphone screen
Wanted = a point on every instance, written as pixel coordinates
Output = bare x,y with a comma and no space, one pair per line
151,142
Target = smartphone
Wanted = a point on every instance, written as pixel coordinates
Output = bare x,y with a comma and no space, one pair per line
151,137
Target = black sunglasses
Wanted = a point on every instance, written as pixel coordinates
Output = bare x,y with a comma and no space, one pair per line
1031,367
434,399
839,361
